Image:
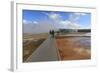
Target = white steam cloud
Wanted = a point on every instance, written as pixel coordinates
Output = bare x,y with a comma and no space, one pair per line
70,23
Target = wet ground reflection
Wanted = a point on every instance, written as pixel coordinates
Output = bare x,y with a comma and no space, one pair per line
74,48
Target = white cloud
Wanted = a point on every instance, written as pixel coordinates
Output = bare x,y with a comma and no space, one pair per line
55,22
53,16
75,16
35,22
80,14
65,22
70,23
26,21
29,22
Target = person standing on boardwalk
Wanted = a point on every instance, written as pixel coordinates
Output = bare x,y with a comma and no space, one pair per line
52,33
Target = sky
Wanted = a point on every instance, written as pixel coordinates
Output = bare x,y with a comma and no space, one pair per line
55,20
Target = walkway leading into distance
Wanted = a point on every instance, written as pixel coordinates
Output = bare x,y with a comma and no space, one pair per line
47,51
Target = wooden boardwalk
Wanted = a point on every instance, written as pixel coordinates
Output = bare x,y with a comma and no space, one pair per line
47,51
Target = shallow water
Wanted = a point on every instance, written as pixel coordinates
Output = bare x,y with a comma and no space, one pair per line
86,41
74,47
83,41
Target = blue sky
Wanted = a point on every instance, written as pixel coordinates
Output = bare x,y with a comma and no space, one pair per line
59,19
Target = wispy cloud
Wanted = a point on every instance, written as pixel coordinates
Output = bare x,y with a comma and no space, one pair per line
26,21
29,22
53,16
35,22
80,13
74,17
54,20
70,23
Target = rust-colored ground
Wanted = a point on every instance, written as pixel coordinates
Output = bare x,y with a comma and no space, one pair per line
31,42
71,48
